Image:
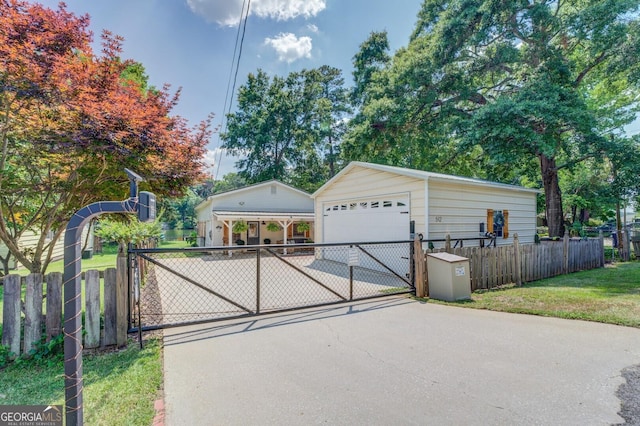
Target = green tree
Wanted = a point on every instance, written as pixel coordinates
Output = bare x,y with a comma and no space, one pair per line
185,208
372,57
124,229
586,191
229,182
507,81
623,182
288,128
329,103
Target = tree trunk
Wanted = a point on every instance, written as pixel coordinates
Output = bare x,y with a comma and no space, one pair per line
5,263
332,169
552,195
619,224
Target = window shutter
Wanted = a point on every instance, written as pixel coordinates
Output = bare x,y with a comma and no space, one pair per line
489,220
505,228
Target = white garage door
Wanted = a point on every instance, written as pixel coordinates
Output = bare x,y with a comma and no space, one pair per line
384,218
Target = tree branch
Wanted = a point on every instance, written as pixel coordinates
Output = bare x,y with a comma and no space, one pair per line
585,71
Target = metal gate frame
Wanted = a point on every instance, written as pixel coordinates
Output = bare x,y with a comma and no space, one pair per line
275,251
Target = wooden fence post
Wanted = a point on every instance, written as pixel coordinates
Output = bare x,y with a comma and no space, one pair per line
601,238
565,253
110,307
516,260
122,284
11,313
32,312
92,309
627,244
418,260
54,304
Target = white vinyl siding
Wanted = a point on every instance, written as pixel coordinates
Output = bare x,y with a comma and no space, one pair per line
458,210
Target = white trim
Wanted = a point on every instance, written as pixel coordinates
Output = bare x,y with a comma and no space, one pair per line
426,209
226,215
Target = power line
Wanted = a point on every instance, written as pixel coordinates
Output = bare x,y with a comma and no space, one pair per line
238,49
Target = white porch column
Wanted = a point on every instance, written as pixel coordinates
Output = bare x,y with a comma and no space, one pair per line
230,234
285,225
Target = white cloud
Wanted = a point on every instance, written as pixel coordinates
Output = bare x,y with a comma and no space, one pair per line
284,10
290,48
224,12
313,28
228,12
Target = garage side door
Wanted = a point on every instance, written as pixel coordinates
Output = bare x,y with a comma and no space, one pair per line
376,219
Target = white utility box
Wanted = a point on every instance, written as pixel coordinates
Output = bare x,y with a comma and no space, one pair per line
448,277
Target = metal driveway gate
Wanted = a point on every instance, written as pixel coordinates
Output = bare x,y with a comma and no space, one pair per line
181,286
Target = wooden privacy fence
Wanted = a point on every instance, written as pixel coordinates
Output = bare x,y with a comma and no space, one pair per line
516,263
41,311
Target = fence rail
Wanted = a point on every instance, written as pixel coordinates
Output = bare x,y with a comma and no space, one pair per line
33,308
516,263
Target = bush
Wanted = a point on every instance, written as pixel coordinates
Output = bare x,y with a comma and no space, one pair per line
192,239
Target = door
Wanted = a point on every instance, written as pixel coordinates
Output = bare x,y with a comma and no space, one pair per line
377,219
253,233
384,218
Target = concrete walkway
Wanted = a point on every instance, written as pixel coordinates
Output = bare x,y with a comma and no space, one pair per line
397,361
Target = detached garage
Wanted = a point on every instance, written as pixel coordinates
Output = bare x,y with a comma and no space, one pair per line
368,202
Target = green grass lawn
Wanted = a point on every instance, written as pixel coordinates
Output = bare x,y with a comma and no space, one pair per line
610,295
120,387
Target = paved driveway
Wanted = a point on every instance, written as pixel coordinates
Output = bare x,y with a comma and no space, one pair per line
397,361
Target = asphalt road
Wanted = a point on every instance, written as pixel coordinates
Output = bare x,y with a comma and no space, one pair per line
397,361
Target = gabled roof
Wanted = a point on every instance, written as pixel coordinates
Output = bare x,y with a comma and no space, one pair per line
419,174
213,197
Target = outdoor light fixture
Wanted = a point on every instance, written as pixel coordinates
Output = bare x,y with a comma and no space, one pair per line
218,227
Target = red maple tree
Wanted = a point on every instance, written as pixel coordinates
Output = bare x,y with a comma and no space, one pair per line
71,120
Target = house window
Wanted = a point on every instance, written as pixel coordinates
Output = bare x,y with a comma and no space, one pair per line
387,204
363,205
352,206
498,223
374,204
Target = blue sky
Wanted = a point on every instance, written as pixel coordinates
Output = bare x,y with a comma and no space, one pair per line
190,43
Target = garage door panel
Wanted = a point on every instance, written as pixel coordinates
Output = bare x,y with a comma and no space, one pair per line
379,220
360,221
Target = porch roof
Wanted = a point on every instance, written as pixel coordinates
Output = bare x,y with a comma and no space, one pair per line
236,215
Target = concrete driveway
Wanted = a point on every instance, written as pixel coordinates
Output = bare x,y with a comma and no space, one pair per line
397,361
